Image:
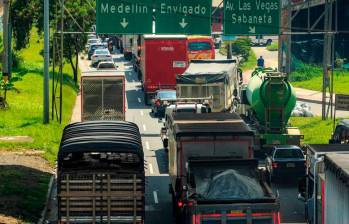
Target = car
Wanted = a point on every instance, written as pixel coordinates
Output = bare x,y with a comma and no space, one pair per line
92,49
260,40
91,41
285,161
100,55
106,65
91,36
163,98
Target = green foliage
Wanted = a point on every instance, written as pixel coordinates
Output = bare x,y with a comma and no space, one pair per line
24,116
242,47
274,46
314,129
306,72
250,63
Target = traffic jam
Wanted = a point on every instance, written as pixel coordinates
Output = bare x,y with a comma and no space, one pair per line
172,133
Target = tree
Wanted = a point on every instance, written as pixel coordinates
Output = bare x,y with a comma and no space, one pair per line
242,46
80,16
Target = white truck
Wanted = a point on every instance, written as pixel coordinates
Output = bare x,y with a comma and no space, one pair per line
218,79
103,96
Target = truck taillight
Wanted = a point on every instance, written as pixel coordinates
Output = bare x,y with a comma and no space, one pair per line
180,204
276,217
275,165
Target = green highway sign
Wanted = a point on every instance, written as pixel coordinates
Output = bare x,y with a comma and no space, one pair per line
183,17
124,16
251,17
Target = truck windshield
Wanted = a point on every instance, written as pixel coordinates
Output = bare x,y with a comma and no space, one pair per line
226,183
199,46
167,95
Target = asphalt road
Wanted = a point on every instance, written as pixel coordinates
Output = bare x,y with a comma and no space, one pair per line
158,200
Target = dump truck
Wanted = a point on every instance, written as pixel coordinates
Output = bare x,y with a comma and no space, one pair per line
162,58
213,176
100,173
218,79
266,105
103,96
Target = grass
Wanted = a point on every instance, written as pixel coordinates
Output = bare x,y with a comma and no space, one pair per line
274,46
24,117
341,83
24,190
249,64
314,129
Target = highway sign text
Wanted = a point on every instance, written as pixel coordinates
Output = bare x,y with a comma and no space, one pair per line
183,17
124,17
251,17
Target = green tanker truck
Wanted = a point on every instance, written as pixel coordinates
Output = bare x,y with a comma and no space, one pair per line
267,102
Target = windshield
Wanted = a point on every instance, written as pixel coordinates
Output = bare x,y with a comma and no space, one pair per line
167,95
94,47
199,46
106,65
92,41
288,154
102,52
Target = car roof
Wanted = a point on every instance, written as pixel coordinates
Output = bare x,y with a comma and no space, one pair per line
344,122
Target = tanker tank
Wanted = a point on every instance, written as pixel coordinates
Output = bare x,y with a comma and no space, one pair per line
267,103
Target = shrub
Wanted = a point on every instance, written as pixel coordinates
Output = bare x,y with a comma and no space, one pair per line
242,46
305,72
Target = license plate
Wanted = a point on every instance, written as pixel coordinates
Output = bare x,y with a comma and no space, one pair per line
289,165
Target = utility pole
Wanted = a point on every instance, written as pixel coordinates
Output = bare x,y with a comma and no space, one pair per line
5,59
46,62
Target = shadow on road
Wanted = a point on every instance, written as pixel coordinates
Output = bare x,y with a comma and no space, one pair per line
133,97
162,160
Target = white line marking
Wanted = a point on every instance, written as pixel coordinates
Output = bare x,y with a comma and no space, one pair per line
151,170
155,197
147,145
142,114
139,100
144,127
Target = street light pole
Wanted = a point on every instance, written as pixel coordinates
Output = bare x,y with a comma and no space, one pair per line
46,63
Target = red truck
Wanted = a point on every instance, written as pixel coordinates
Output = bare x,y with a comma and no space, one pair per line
162,58
213,176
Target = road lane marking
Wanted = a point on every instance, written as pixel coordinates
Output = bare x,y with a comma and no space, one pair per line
151,170
139,100
147,145
142,114
144,127
155,197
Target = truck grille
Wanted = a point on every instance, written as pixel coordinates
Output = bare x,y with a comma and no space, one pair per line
101,198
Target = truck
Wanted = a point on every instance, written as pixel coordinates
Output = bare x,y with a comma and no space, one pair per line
218,79
267,101
103,96
336,188
100,173
341,133
312,186
162,58
213,176
128,44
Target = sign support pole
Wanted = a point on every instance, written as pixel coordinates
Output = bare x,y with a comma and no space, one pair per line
46,63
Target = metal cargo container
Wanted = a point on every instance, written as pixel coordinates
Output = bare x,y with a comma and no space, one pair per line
102,96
